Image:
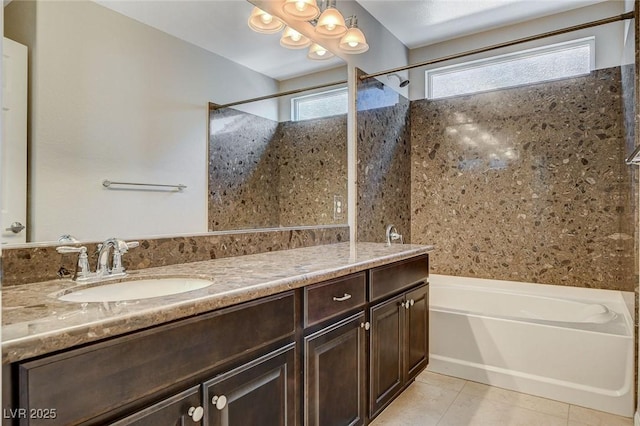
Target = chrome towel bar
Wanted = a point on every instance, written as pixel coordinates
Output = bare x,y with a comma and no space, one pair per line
107,184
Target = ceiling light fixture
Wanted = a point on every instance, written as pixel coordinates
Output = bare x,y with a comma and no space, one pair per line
291,39
331,22
354,41
262,22
302,10
318,53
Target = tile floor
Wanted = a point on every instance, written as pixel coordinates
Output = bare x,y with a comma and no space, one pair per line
434,399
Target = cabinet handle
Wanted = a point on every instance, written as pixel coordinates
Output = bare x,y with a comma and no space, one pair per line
412,302
407,305
196,413
402,304
365,325
346,296
219,401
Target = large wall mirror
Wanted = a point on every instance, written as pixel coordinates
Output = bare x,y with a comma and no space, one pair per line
120,91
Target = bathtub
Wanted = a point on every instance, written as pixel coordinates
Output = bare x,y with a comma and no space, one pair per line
569,344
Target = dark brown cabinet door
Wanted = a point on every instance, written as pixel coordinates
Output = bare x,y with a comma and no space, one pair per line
335,368
261,392
386,351
416,355
178,410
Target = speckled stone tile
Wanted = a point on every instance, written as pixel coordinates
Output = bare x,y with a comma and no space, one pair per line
312,170
243,178
35,322
42,262
384,163
527,184
268,174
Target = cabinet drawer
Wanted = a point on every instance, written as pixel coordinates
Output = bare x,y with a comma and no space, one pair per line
86,383
390,279
328,299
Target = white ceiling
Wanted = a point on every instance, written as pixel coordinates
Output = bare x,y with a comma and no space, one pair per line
220,26
418,23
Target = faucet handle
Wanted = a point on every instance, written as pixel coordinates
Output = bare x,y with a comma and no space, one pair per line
82,269
132,244
69,249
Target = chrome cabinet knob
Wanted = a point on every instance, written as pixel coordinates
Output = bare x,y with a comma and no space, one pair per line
412,302
407,305
16,227
402,304
219,401
196,413
365,325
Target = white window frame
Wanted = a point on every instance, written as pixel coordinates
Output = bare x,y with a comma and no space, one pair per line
509,57
327,94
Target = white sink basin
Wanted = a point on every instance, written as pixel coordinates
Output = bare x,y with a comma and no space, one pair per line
132,290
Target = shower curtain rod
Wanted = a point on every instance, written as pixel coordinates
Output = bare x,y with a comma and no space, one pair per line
213,106
624,16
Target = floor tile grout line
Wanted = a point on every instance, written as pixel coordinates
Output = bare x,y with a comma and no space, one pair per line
444,413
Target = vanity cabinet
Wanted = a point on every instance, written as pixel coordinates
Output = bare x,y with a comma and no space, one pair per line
335,355
335,374
101,381
261,392
399,343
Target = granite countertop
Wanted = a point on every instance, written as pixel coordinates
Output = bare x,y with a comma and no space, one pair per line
35,322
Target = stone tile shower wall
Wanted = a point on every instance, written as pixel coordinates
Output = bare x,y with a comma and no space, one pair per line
312,170
527,184
384,162
243,178
268,174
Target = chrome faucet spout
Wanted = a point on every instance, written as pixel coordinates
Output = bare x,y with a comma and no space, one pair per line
119,248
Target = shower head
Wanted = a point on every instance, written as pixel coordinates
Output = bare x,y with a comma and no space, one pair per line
403,82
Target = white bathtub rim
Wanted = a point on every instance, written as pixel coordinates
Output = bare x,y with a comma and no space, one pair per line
534,322
574,294
534,289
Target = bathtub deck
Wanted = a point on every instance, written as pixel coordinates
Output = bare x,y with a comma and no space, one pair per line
434,399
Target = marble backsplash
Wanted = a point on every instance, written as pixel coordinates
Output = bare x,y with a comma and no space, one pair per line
527,184
42,263
268,174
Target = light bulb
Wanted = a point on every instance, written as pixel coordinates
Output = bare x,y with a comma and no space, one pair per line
353,43
262,22
301,6
296,36
331,23
320,52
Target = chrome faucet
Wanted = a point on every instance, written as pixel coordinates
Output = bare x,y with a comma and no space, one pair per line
83,272
393,235
119,248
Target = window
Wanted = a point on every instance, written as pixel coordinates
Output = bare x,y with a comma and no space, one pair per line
553,62
318,105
